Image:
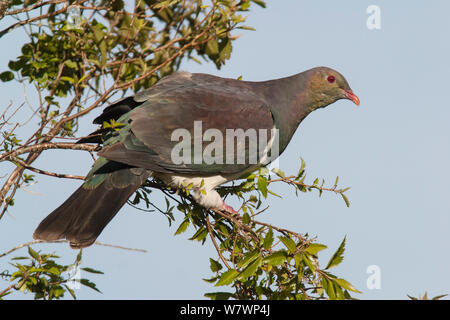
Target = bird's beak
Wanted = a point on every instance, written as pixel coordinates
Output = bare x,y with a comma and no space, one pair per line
351,96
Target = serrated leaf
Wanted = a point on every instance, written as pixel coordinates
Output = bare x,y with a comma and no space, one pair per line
338,291
314,248
33,254
246,218
227,277
251,269
338,256
289,243
347,285
260,3
276,258
307,259
249,257
90,270
214,265
183,226
279,172
268,239
88,283
71,291
262,186
200,234
328,287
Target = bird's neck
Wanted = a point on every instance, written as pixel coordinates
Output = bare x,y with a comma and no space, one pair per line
290,102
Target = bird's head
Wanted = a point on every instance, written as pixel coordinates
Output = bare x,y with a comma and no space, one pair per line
327,86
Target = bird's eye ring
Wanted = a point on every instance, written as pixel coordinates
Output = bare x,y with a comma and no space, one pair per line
331,79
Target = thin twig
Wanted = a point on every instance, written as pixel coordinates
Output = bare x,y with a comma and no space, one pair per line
48,173
65,241
211,235
45,146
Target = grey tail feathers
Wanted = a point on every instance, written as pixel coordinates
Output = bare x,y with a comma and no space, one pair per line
84,215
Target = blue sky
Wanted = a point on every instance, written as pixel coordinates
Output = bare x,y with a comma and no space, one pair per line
393,151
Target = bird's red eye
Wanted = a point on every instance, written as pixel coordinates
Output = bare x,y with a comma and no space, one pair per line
331,79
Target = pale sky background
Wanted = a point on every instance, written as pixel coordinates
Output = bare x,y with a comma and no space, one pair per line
393,151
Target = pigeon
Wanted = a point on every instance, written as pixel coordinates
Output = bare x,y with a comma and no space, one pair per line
178,131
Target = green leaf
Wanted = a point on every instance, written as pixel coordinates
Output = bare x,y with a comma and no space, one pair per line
329,288
212,48
268,239
279,172
314,248
79,256
219,295
262,186
301,172
336,182
71,64
338,256
308,260
183,226
20,258
249,257
251,269
72,293
260,3
88,283
439,297
33,254
247,28
214,265
346,285
200,235
6,76
246,218
90,270
289,243
347,202
276,258
227,277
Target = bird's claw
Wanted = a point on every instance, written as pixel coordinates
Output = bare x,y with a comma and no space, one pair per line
228,208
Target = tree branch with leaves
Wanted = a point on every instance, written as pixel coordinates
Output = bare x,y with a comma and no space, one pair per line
75,65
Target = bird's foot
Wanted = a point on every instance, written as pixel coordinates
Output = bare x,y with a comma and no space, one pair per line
228,208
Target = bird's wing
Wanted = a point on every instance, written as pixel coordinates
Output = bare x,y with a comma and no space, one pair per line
149,136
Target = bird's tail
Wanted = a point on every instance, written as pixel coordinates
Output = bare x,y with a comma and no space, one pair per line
83,216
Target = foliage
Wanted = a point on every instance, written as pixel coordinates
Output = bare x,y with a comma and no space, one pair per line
44,277
256,259
425,297
76,64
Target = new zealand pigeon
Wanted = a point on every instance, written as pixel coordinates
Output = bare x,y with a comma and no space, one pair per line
145,141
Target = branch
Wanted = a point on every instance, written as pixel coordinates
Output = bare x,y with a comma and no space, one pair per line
48,173
64,241
4,4
36,5
48,145
289,180
208,224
